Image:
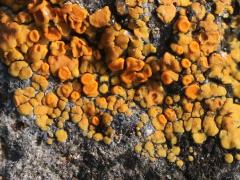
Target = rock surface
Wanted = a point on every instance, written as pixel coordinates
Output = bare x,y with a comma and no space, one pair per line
25,155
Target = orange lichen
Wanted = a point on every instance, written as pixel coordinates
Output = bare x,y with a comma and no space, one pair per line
61,135
123,71
64,73
192,91
45,68
58,48
41,110
95,121
52,34
51,100
37,52
170,114
183,24
166,12
80,48
23,17
177,48
127,77
168,77
57,62
87,78
100,18
199,10
40,81
187,79
75,96
186,63
134,64
34,36
66,89
20,69
162,119
76,17
91,90
194,47
117,65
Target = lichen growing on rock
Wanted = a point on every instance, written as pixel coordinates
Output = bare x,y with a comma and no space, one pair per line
104,69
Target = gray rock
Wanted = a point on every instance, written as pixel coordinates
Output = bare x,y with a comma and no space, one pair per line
24,154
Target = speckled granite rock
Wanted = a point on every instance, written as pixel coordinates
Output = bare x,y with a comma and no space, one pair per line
25,155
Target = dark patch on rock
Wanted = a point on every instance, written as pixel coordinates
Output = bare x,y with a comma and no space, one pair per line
18,126
152,175
229,90
174,88
14,151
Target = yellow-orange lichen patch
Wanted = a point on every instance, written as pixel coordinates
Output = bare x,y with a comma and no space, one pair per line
41,110
186,63
187,79
51,100
177,48
210,126
229,139
80,47
58,48
162,119
95,121
61,135
41,122
168,77
134,64
192,91
184,3
34,36
64,73
23,17
25,109
166,12
194,46
44,69
65,90
84,124
228,158
87,78
20,69
57,62
198,137
128,77
199,10
12,56
91,90
37,52
75,95
101,102
169,62
101,17
122,40
75,17
141,30
135,12
19,99
212,90
158,137
50,39
170,114
116,65
40,81
183,24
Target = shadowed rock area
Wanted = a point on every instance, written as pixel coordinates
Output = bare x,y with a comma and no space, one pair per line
25,155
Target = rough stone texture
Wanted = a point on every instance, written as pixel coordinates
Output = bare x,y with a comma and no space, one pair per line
25,155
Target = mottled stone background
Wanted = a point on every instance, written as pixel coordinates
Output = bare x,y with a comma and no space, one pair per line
25,155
